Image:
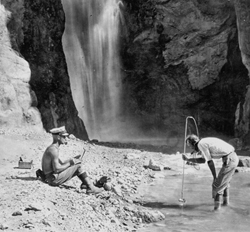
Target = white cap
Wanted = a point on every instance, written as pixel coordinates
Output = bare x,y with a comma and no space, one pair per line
59,131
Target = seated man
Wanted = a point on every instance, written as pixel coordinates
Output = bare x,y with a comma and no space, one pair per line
57,172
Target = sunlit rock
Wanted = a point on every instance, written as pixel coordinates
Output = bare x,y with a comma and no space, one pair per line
15,94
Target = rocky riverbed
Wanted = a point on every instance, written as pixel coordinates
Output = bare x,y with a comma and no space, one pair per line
28,203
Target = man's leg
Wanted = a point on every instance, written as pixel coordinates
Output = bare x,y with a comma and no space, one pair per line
69,173
226,196
217,201
65,175
86,181
224,177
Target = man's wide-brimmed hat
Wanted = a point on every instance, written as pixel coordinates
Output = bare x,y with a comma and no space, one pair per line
59,131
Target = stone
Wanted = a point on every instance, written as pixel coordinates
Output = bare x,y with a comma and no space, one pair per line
3,226
107,186
131,156
17,213
244,162
156,167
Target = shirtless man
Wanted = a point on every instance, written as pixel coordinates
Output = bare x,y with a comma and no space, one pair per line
58,172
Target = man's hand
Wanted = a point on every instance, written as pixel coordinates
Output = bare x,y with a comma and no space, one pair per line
77,157
184,157
75,161
80,156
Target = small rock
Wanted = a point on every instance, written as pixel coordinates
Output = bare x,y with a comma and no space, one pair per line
3,227
107,186
130,201
35,207
17,213
71,136
28,225
131,156
45,222
156,167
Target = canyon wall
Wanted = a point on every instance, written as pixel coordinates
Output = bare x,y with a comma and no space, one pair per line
36,29
17,100
184,58
242,120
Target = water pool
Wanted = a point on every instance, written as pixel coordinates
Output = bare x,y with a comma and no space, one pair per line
197,214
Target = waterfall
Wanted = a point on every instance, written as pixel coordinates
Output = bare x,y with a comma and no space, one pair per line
90,44
91,47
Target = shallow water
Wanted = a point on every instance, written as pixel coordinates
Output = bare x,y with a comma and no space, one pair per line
197,214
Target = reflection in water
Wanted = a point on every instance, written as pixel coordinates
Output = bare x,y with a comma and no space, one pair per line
198,214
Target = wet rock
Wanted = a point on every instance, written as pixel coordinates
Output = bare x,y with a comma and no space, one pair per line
154,166
244,162
150,216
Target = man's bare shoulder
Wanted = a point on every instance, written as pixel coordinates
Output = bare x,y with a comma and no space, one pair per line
51,150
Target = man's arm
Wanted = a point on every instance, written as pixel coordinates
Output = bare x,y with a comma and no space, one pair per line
58,165
204,148
199,160
212,168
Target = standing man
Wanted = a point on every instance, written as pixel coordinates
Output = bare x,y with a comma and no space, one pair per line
58,172
213,148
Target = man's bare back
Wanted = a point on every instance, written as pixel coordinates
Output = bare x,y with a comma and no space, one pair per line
48,157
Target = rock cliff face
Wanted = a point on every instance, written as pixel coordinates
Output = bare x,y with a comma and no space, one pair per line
242,123
188,57
36,29
16,98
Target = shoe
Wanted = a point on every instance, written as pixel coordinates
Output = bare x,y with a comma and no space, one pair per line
103,180
89,185
91,190
40,173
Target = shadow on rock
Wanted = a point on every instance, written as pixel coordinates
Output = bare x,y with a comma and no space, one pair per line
163,205
26,178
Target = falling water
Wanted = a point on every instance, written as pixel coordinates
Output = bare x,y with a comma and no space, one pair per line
91,46
90,43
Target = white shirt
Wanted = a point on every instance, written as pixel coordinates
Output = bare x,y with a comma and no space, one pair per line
214,148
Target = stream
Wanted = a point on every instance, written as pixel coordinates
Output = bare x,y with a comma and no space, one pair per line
197,214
